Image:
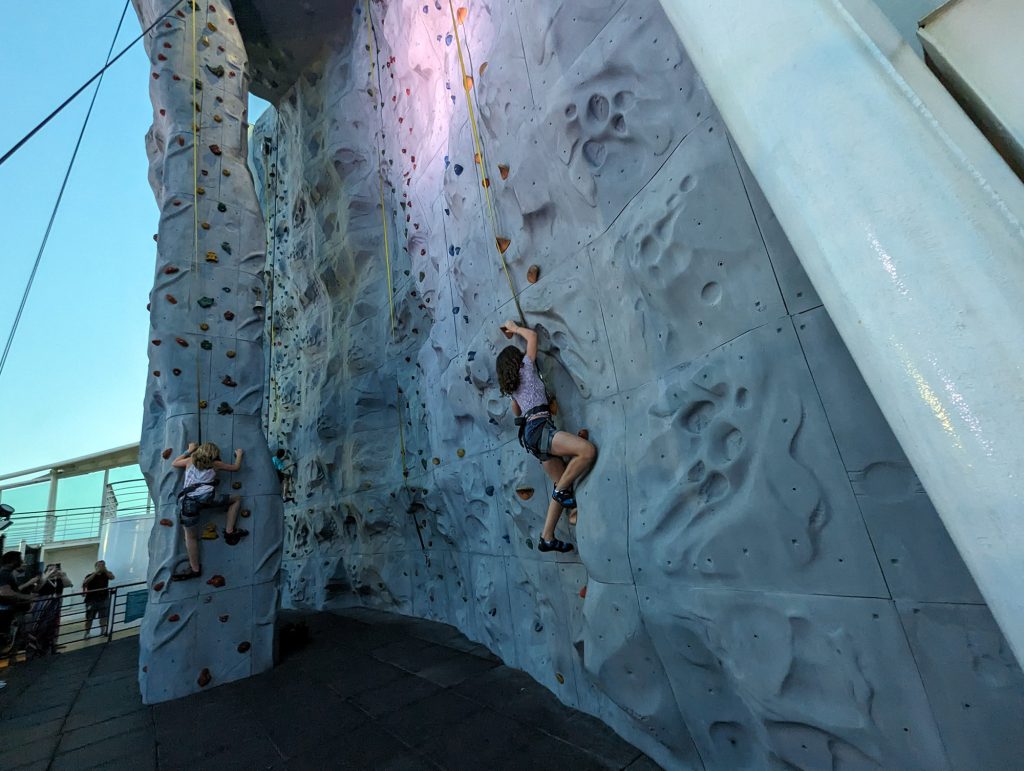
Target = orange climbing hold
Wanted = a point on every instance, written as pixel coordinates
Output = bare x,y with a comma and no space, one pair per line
461,14
217,581
560,678
210,256
533,274
483,67
230,354
526,493
553,406
202,404
204,678
503,244
468,82
204,327
476,158
171,299
503,170
236,485
166,522
486,182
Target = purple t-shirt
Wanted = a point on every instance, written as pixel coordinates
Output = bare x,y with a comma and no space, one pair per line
531,391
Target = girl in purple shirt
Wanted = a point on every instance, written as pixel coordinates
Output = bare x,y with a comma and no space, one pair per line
518,378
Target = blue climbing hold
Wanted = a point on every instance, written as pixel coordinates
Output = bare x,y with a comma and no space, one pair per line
455,310
458,249
471,355
448,39
446,162
458,170
425,9
489,489
451,251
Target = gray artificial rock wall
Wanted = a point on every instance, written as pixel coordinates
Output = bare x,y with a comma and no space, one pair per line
206,359
760,580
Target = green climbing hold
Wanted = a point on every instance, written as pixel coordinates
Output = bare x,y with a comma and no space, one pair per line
206,345
221,207
205,302
218,70
224,409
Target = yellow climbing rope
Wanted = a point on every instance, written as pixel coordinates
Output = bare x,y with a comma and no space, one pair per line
467,84
195,207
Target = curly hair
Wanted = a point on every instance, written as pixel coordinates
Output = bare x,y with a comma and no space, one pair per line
205,454
508,364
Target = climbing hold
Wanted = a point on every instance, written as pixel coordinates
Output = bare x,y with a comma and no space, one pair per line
217,71
171,299
244,646
467,82
436,461
174,617
583,433
461,14
230,354
583,592
176,371
228,315
224,409
216,581
204,678
206,345
226,172
457,168
166,522
508,335
181,341
226,247
553,406
170,270
222,207
156,342
526,493
483,67
158,586
206,226
215,149
228,381
245,513
211,26
486,182
166,453
202,404
503,244
489,489
533,274
210,532
205,302
560,678
476,158
217,118
201,190
156,373
503,170
236,485
223,618
460,452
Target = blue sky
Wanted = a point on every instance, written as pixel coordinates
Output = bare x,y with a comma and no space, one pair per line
75,378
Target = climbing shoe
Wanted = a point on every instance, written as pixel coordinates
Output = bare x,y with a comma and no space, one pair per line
236,536
565,497
185,576
553,545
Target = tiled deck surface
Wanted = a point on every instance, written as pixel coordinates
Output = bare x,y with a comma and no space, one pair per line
370,690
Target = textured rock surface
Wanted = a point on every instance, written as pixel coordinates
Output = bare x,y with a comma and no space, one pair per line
221,628
752,541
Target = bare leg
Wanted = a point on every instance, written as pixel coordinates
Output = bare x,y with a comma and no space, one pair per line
236,504
583,453
192,547
554,468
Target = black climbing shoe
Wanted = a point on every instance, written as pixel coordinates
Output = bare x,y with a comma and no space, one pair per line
565,497
190,573
553,545
236,536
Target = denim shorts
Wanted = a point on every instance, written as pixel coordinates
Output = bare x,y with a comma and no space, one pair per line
538,436
189,507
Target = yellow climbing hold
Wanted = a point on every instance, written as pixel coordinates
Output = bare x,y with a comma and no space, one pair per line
210,256
226,173
436,461
486,182
204,326
210,532
468,82
503,244
211,26
202,404
560,678
217,119
201,190
460,452
461,14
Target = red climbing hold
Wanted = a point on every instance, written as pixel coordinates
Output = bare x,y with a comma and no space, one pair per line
156,76
503,244
215,149
166,522
583,592
161,58
216,581
174,617
170,270
228,315
158,586
156,342
181,341
204,678
156,373
503,170
583,433
243,647
166,453
228,381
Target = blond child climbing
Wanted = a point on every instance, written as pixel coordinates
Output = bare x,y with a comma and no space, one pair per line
201,463
518,378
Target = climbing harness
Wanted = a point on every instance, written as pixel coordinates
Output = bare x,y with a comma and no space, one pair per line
64,184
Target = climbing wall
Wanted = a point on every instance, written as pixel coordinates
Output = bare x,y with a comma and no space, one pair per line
760,580
206,356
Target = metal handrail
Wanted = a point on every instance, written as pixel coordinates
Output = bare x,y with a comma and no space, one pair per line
59,622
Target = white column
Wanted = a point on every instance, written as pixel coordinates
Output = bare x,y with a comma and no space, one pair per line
920,261
50,528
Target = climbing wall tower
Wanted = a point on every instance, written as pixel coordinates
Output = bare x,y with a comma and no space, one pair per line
206,356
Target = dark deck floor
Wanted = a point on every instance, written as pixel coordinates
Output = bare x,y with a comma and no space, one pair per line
370,690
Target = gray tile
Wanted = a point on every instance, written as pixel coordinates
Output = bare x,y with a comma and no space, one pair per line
455,670
395,695
12,738
419,723
131,723
40,750
136,749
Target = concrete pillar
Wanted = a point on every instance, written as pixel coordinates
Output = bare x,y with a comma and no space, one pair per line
912,237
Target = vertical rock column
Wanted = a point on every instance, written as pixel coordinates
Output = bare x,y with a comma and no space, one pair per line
206,358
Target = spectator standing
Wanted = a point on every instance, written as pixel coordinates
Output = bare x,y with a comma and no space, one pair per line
97,597
46,610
